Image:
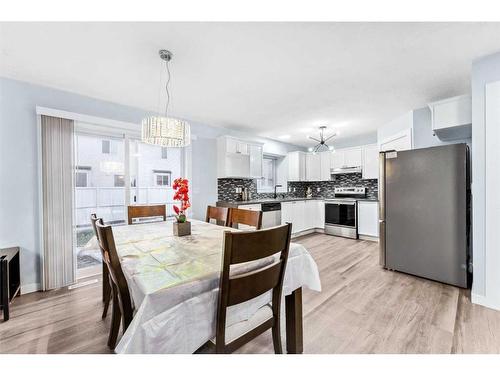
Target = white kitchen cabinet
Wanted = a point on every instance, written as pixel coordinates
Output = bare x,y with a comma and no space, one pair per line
282,174
236,146
296,166
237,158
353,157
325,165
304,215
370,162
347,158
313,167
337,159
320,214
294,212
368,218
314,214
255,152
452,118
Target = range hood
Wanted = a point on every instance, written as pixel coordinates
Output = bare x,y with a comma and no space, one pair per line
345,170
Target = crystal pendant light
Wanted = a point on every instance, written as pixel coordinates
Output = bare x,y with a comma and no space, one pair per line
163,130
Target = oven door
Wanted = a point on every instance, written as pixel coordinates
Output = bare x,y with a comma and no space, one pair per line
340,218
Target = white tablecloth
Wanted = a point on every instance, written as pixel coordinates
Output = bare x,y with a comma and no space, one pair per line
174,285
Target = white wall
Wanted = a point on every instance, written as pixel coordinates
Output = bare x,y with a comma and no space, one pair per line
486,251
19,200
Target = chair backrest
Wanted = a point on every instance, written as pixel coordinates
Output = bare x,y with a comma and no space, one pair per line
246,217
218,214
110,257
93,220
137,211
248,246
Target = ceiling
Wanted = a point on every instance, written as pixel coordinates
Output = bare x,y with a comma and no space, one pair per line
278,80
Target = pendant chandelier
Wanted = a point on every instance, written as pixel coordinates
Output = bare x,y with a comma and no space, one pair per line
163,130
322,146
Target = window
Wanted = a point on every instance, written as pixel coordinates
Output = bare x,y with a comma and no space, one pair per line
119,180
81,179
106,146
162,178
267,182
82,176
164,152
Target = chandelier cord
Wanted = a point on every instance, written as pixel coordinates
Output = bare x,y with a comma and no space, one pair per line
166,88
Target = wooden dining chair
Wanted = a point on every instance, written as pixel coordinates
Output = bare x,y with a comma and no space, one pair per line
246,217
122,303
219,214
234,288
106,282
140,211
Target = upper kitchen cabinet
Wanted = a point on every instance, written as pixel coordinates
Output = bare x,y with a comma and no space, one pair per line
235,146
370,162
296,166
347,158
313,167
237,158
308,166
256,156
325,162
452,118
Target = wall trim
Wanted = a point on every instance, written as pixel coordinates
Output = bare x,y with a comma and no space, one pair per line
78,117
479,299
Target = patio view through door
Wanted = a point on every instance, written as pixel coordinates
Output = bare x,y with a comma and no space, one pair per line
112,170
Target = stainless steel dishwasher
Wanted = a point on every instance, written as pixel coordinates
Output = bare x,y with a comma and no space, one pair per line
271,214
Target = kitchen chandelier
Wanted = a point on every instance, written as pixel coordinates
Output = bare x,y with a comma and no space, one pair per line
163,130
322,146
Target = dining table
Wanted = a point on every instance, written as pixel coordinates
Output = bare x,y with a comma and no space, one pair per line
174,286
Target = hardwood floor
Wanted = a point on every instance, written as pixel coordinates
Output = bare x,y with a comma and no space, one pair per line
362,309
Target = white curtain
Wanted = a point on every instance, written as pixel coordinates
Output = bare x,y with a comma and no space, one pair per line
57,185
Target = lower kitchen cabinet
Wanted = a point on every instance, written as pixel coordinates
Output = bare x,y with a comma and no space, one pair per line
368,218
304,215
293,212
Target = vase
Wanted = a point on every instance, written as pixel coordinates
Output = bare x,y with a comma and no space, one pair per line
182,229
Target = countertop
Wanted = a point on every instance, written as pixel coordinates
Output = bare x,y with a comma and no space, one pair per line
271,200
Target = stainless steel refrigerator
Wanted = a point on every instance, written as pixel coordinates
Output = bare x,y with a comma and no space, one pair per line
424,213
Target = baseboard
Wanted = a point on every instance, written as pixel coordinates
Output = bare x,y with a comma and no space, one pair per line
479,299
30,288
368,238
308,231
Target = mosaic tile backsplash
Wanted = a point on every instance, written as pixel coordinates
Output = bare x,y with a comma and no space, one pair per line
226,187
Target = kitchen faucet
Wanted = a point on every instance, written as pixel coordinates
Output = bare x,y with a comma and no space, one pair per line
276,186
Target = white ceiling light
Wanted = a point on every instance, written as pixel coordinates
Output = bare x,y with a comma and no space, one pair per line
163,130
322,146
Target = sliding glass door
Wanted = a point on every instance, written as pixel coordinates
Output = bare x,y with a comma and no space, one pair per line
115,169
100,189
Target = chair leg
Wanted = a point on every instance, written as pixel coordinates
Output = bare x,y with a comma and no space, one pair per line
115,322
107,300
277,337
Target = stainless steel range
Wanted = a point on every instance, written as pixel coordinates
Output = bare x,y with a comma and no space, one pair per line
341,212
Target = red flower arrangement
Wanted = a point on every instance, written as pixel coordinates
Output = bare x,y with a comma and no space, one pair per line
181,187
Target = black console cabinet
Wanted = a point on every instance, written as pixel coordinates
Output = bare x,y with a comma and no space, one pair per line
10,278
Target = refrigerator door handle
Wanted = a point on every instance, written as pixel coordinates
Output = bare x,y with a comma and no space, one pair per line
381,213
